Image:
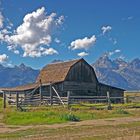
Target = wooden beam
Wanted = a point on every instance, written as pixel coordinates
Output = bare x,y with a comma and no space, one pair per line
68,98
4,100
109,101
51,95
17,100
40,92
58,96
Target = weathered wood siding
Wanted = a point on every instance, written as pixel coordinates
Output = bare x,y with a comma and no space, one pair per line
81,80
81,72
114,92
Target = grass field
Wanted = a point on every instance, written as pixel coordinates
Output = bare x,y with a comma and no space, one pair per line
58,114
84,122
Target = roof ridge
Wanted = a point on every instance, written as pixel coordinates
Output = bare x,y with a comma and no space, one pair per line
65,61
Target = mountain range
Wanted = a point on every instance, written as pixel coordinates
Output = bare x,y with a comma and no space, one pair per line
17,75
117,72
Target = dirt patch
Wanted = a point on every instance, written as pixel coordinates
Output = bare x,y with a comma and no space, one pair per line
100,122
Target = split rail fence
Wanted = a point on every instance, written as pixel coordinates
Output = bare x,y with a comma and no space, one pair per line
31,99
36,100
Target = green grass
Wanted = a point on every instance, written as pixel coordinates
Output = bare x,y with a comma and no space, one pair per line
58,114
51,115
38,116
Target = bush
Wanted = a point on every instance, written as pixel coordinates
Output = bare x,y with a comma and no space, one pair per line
69,117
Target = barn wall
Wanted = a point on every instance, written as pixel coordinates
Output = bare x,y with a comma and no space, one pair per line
81,72
80,88
114,92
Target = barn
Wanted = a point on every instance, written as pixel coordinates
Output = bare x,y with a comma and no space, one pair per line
76,77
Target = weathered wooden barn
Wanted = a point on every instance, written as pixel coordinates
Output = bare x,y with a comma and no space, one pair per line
76,76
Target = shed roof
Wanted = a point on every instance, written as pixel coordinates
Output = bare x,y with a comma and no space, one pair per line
56,72
21,88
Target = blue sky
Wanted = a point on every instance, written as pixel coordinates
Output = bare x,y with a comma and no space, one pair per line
81,28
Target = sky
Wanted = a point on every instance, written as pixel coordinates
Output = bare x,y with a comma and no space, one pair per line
37,32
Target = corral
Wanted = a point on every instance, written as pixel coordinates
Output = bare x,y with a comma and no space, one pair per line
63,82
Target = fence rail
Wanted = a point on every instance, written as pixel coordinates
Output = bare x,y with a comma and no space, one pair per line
38,99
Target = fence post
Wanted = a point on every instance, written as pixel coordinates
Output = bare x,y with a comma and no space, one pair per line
68,98
4,100
17,100
40,92
127,99
109,101
51,96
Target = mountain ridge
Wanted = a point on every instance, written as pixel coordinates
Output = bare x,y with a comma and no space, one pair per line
118,72
17,75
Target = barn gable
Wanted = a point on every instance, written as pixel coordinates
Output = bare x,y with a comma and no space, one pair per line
81,71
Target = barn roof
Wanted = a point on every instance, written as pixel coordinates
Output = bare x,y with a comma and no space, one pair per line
56,72
21,88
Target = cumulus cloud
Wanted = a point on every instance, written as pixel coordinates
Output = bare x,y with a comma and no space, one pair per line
3,58
34,35
13,49
106,29
82,54
84,43
114,52
1,20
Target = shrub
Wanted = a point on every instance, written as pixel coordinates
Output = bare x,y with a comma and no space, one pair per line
69,117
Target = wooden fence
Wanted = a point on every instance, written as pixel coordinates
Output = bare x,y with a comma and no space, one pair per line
21,101
31,99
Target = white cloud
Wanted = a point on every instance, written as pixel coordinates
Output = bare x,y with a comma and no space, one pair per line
84,43
13,49
128,18
3,58
115,42
16,51
82,54
57,40
1,20
117,51
106,29
42,51
34,35
49,51
114,52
